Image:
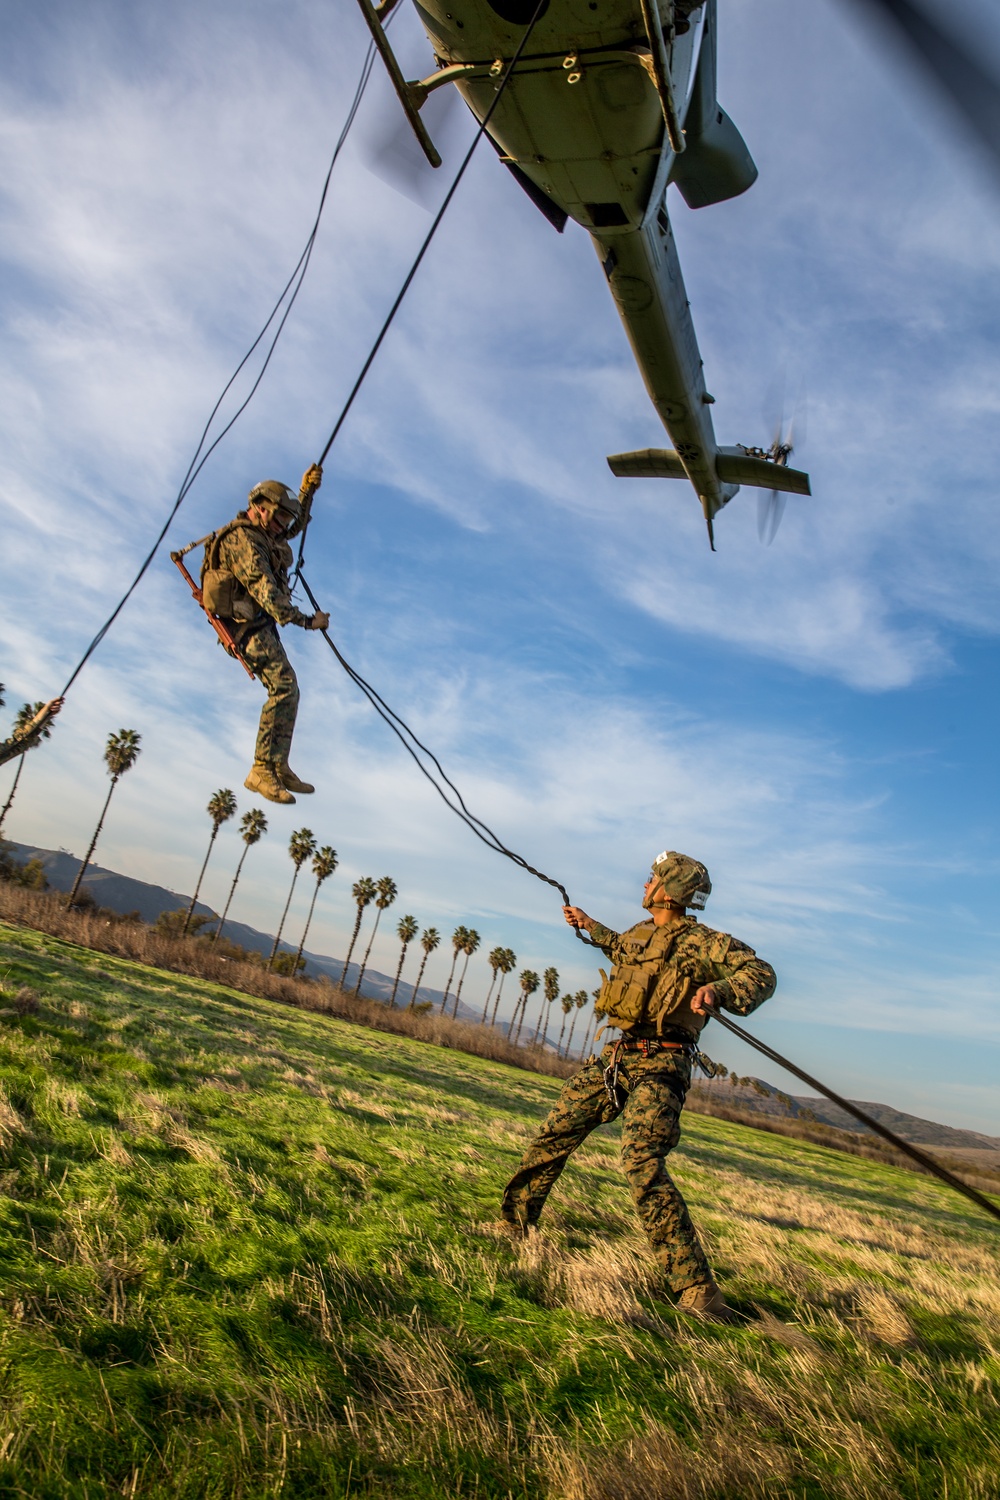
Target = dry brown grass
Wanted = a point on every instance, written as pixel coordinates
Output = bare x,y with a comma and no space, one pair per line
47,912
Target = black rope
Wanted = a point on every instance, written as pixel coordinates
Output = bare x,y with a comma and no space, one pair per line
390,316
293,285
906,1147
409,740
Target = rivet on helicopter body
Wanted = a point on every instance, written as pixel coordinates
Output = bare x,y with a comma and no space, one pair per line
571,61
497,68
573,77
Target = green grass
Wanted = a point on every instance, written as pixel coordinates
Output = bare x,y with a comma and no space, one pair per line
250,1251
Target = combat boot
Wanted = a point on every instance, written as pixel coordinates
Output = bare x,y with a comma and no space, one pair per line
289,780
706,1302
264,781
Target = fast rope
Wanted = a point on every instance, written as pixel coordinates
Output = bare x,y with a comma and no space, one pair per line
415,748
449,792
390,316
201,454
927,1162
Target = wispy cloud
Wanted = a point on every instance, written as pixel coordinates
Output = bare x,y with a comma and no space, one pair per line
598,681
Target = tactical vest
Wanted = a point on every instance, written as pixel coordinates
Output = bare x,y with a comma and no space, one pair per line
647,988
221,590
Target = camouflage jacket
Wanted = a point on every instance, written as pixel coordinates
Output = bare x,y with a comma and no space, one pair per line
658,969
260,564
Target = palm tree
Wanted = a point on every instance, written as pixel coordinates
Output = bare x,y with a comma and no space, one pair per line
567,1005
428,942
363,891
468,948
324,863
385,895
406,930
529,982
579,1000
495,959
253,826
120,755
550,980
458,939
507,966
221,807
22,719
301,844
591,1022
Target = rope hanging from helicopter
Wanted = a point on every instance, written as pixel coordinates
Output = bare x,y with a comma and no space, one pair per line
202,454
414,747
448,791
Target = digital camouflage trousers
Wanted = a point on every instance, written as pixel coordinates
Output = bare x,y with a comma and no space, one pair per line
266,655
654,1091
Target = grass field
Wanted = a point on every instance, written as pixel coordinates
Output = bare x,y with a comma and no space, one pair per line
250,1251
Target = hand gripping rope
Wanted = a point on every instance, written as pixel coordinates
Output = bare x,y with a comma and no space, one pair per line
448,792
202,454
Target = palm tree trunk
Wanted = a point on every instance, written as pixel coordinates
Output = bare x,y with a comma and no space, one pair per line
451,975
229,899
93,843
420,975
190,911
399,970
284,914
586,1040
513,1017
496,1003
364,961
488,994
562,1033
538,1028
520,1023
305,930
458,992
572,1028
545,1029
17,777
354,938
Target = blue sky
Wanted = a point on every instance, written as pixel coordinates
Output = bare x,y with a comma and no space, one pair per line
816,720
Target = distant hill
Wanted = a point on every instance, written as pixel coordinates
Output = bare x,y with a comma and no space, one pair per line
910,1127
122,894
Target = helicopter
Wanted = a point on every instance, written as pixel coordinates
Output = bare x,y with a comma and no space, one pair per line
610,103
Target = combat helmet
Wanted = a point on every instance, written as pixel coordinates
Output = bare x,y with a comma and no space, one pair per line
271,495
685,880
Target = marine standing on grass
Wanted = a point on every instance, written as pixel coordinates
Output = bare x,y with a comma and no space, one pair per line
245,581
669,973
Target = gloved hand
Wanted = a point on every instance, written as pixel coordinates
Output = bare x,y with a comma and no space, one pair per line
319,621
312,478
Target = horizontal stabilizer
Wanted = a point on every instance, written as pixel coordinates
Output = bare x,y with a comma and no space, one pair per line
647,463
736,466
733,466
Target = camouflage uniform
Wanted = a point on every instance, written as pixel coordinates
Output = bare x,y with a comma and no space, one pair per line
260,564
652,1082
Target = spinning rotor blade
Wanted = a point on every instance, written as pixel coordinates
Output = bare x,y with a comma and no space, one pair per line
973,90
770,509
391,151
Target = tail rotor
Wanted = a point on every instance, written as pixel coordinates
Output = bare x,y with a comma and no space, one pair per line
771,503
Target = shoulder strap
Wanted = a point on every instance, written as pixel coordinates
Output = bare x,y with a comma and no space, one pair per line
215,541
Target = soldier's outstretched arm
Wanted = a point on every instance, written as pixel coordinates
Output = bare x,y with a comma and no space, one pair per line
30,735
248,559
744,981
